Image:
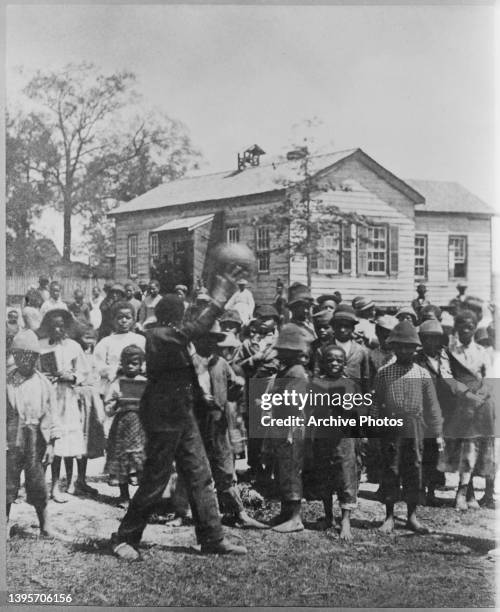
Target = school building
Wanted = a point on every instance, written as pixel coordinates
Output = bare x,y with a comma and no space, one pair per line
418,231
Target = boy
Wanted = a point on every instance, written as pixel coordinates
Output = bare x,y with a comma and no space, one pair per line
405,390
219,384
32,427
334,451
292,349
357,364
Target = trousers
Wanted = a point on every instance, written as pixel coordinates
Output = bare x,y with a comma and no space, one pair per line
184,445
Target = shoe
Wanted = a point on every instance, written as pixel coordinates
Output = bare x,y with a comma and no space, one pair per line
58,496
222,548
126,552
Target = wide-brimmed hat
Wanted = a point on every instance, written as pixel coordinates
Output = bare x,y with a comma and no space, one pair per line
292,338
362,303
323,317
25,341
118,287
216,332
386,322
231,316
299,293
266,311
345,312
242,281
462,285
404,333
407,310
69,320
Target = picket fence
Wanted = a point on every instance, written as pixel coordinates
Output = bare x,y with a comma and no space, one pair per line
18,285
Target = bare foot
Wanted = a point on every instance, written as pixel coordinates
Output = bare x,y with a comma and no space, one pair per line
47,532
413,524
293,524
387,526
461,503
345,532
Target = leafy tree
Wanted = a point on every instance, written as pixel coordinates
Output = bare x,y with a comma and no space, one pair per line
92,150
304,215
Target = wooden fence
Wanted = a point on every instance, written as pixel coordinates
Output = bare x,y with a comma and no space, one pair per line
18,285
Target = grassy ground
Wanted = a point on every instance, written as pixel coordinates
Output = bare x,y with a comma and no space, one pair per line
447,569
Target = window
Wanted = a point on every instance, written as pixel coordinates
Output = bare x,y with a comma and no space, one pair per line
233,234
334,252
132,255
377,250
457,256
420,270
263,249
154,248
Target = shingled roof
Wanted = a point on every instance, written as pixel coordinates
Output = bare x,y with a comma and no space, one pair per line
252,180
448,197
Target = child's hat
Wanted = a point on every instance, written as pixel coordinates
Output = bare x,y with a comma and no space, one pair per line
70,323
328,297
430,327
323,317
231,316
407,310
404,333
386,322
299,293
361,303
345,312
25,341
292,338
216,333
266,311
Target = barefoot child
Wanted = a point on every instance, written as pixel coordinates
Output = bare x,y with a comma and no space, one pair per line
405,390
334,452
32,426
293,350
67,365
126,440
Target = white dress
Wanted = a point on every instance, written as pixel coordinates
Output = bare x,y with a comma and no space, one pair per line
70,358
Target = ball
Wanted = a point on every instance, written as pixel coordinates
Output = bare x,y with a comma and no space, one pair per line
228,255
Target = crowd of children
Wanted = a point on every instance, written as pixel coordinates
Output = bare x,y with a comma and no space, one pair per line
158,383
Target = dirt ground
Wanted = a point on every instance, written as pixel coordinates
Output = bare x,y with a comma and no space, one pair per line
449,568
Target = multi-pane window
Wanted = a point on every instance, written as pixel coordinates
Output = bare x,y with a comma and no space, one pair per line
263,246
154,248
377,250
457,251
132,255
420,269
233,234
334,251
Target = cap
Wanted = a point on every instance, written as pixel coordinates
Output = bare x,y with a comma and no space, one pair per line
345,312
362,303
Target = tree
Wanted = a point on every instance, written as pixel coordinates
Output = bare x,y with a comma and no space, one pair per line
305,215
94,151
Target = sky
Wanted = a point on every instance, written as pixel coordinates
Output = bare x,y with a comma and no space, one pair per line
413,86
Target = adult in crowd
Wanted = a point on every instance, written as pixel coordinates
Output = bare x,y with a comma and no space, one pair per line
115,294
242,301
43,288
95,307
365,311
31,309
420,301
130,297
147,316
457,303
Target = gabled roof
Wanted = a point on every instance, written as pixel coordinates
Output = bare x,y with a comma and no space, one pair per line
448,197
265,178
189,223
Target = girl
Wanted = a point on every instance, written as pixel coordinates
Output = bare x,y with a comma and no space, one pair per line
126,440
108,351
64,362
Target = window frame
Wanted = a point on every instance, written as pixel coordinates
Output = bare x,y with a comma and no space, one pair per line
451,272
370,249
154,239
232,229
132,257
423,257
263,251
